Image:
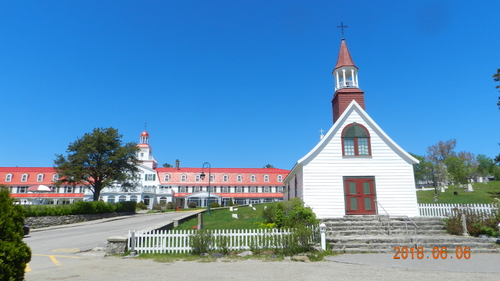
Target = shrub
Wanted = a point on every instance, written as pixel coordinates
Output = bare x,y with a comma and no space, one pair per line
192,204
477,223
141,206
230,202
292,214
14,253
80,207
214,205
200,242
170,206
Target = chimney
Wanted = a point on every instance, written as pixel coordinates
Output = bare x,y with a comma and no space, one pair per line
177,164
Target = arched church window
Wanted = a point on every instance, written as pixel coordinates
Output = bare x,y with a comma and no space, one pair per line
356,141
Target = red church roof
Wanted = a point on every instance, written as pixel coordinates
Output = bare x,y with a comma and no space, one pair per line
344,58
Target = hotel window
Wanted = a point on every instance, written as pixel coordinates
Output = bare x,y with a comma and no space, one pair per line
239,189
69,189
39,178
150,177
253,189
252,178
183,177
355,141
280,178
197,178
22,189
55,177
225,178
183,189
24,177
266,178
238,178
8,177
212,178
225,189
167,177
266,189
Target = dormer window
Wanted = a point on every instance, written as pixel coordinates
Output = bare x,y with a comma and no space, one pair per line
39,178
8,177
355,141
212,178
252,178
239,178
24,177
55,177
197,178
225,178
266,178
167,177
280,178
183,177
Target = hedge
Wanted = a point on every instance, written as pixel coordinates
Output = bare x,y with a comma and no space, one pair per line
77,208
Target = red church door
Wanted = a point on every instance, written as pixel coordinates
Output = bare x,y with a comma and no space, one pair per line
360,195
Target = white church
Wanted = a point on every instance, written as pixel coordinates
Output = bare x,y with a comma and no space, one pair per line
356,168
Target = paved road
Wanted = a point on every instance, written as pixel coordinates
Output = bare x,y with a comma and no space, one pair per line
100,268
62,245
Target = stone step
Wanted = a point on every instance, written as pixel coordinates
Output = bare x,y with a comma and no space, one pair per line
394,239
379,231
429,254
425,246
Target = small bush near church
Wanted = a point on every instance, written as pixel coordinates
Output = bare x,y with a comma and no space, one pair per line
290,214
192,204
214,205
14,253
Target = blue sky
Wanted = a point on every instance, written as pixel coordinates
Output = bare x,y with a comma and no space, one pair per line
242,83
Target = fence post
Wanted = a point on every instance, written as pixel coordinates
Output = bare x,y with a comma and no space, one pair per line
132,250
322,229
464,225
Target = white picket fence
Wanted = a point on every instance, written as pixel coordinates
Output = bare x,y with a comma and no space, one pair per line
445,210
177,241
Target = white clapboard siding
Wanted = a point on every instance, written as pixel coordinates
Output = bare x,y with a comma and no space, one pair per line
445,210
177,241
320,174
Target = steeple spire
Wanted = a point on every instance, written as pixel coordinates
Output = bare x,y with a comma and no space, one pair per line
346,82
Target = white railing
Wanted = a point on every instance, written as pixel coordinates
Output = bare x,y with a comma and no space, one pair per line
445,210
177,241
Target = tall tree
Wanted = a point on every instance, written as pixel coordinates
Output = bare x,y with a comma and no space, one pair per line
439,152
14,253
269,166
97,160
421,170
485,165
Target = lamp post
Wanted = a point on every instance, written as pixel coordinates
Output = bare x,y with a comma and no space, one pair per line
202,176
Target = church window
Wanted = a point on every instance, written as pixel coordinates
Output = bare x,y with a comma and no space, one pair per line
356,141
8,177
24,177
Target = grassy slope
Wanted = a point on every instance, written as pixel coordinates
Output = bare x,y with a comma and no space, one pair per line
222,218
480,195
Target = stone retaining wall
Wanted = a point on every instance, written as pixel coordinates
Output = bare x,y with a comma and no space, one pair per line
45,221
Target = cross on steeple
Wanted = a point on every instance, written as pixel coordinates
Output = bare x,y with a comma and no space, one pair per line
145,126
342,26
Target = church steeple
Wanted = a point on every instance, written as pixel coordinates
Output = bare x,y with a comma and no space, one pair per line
346,82
146,152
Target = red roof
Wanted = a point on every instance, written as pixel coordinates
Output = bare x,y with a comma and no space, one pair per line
239,195
47,195
32,172
344,58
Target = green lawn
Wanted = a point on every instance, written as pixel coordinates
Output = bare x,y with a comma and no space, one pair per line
482,194
222,218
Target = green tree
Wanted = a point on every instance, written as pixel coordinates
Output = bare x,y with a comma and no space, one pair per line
14,253
457,169
268,166
421,170
485,165
166,165
97,160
